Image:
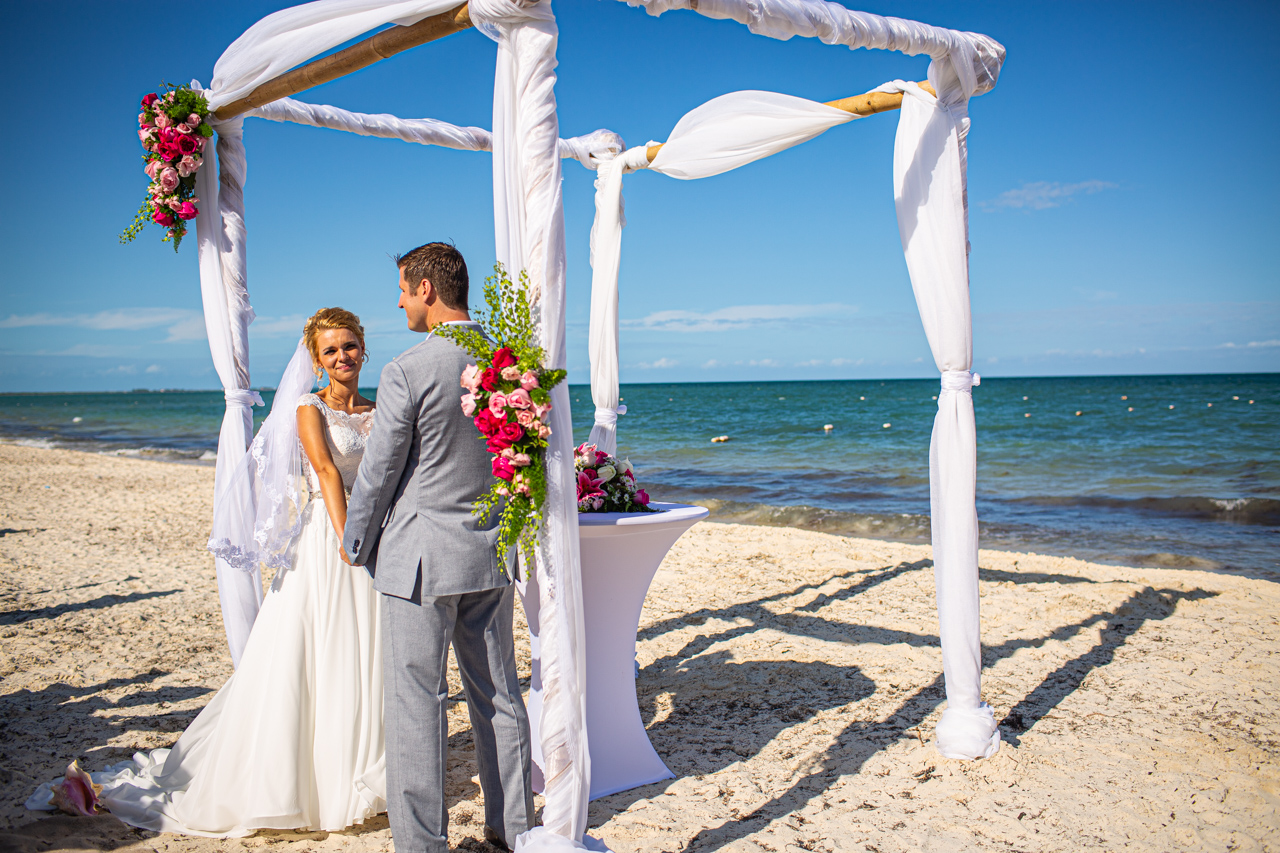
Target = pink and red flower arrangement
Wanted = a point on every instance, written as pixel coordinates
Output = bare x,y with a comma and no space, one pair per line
508,397
607,484
173,129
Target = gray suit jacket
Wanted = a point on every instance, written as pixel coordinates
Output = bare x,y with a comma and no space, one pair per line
409,519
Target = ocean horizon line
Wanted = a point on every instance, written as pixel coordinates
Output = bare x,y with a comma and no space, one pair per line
985,376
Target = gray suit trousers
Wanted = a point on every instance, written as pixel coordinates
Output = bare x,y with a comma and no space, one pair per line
416,639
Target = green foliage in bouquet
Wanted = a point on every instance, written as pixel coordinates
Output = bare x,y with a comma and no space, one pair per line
509,396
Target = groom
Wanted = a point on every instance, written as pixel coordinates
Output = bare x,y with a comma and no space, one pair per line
442,581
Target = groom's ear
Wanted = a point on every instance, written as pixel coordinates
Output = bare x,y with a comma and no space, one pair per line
427,291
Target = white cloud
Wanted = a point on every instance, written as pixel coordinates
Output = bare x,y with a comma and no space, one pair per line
832,362
1097,295
660,364
710,364
736,317
1041,195
1250,345
154,368
279,327
183,324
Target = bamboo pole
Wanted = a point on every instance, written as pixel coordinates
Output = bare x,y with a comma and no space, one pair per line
389,42
863,105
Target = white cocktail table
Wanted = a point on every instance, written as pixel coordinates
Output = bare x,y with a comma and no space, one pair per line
621,553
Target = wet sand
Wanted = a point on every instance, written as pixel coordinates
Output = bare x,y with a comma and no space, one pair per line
790,679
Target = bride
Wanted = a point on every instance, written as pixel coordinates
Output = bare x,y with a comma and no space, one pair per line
295,738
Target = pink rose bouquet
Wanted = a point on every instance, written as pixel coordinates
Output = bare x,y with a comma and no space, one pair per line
606,483
508,396
173,129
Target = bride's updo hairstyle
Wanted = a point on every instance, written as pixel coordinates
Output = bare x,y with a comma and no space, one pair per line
331,318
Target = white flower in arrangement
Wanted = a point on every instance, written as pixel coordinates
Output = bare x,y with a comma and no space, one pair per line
627,468
606,473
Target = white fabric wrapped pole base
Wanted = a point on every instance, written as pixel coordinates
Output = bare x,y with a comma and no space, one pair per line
621,553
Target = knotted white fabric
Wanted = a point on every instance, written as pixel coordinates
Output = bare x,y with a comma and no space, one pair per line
959,380
220,235
529,233
606,252
245,399
929,195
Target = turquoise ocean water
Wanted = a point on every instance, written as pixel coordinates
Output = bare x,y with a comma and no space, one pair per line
1189,478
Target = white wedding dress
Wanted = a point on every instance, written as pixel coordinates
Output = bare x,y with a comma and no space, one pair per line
295,738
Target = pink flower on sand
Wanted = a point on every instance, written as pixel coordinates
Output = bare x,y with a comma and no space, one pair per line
471,378
498,404
519,399
187,211
528,380
525,418
193,120
468,404
168,180
162,120
188,165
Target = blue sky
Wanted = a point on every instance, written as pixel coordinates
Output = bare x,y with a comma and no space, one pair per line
1124,203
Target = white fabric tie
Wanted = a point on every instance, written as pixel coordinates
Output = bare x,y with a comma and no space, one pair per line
959,380
247,399
606,417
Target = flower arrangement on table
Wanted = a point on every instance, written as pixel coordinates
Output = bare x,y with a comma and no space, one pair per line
607,484
173,129
509,396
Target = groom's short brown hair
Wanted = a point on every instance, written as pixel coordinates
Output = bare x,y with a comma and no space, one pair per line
443,266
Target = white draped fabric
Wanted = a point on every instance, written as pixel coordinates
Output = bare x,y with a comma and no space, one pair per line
930,196
220,234
606,253
529,233
292,36
929,181
590,149
977,58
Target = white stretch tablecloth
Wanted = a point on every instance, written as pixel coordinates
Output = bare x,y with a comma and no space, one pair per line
621,553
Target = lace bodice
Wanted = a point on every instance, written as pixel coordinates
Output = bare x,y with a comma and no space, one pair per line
346,436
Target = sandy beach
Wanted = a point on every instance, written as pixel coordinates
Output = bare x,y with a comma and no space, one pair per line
790,679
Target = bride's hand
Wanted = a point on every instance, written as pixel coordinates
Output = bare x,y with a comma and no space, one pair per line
345,558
